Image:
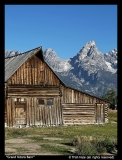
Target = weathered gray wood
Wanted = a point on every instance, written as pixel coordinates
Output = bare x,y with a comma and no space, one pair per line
34,79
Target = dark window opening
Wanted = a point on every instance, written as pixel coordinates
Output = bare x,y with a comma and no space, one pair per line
49,102
41,101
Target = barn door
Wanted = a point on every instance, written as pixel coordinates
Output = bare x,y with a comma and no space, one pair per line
99,112
20,112
49,111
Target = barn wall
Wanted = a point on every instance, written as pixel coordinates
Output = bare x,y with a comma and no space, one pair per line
5,110
79,108
78,113
73,96
34,80
36,114
106,113
34,72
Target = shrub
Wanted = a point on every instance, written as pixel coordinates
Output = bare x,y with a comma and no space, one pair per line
110,146
99,145
85,146
76,141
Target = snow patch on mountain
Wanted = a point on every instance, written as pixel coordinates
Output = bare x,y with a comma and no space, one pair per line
55,62
110,69
89,70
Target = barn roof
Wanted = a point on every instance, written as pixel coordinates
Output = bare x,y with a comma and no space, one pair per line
14,62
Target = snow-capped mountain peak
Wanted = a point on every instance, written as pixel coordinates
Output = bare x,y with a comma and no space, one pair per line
89,70
55,62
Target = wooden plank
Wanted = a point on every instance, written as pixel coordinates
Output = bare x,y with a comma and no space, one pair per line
13,113
26,75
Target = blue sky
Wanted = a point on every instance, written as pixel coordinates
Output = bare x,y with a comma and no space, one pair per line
64,28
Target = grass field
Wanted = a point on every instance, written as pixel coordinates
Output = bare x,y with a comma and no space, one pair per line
58,139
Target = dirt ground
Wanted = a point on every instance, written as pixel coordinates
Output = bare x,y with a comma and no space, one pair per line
24,147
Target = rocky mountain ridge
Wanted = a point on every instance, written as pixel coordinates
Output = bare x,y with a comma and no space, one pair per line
89,70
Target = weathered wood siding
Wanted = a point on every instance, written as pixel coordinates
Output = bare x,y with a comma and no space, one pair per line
34,72
33,91
78,113
79,107
73,96
35,113
106,112
34,81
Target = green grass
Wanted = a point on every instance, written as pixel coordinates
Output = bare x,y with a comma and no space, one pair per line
67,133
21,150
112,115
56,149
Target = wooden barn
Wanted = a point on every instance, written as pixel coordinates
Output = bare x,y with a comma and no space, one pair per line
35,95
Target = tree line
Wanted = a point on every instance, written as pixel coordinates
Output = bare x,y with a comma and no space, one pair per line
111,97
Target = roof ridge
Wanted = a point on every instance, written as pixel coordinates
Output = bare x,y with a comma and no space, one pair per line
22,53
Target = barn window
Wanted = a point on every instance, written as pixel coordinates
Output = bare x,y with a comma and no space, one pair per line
41,101
49,102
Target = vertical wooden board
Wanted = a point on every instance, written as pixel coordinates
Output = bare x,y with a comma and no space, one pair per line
42,115
37,72
69,96
49,115
65,95
7,111
37,113
23,71
50,109
45,76
20,75
45,117
34,103
29,111
10,116
58,111
26,74
49,120
32,112
47,108
13,112
48,76
35,75
52,115
102,113
53,109
82,98
79,99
